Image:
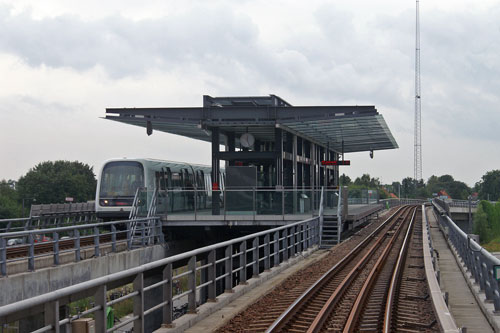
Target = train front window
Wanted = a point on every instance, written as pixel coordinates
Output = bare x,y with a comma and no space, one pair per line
121,179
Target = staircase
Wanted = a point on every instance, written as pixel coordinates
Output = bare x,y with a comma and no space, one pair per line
144,232
330,235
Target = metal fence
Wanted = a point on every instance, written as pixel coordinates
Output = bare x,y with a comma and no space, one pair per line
362,196
47,221
57,241
483,265
210,270
389,203
235,201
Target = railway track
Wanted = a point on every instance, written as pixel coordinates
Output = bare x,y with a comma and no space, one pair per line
363,291
22,251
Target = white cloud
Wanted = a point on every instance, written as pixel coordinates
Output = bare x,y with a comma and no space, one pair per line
66,61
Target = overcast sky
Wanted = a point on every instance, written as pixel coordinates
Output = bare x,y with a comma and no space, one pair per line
63,62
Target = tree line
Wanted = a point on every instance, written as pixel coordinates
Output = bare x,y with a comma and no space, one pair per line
47,182
488,188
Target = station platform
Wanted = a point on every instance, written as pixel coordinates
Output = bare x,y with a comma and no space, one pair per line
356,215
461,302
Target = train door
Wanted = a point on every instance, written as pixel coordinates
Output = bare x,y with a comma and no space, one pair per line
202,202
188,189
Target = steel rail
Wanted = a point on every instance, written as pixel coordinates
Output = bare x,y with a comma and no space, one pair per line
281,321
342,288
396,277
370,281
65,245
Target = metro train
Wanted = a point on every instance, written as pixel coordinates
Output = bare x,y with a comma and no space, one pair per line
119,180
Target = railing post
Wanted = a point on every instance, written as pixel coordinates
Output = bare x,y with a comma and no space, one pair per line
293,235
139,303
100,315
55,239
3,256
51,315
276,238
113,238
77,245
285,244
211,276
267,252
228,265
302,238
243,262
192,285
167,295
255,256
31,253
96,242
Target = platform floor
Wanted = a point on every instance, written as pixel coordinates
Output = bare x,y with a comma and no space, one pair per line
461,301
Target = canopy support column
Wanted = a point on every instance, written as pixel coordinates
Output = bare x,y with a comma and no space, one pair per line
215,172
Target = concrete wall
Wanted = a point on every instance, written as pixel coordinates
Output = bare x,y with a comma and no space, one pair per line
26,285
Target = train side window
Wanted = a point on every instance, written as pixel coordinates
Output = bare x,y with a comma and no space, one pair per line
169,179
176,180
201,179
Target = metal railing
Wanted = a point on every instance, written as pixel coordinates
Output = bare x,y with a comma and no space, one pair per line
362,196
477,260
210,270
389,203
463,203
60,240
47,221
250,202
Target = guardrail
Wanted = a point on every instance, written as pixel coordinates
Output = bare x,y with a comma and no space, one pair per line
225,264
464,203
233,201
46,221
81,237
445,319
51,215
483,265
62,208
389,203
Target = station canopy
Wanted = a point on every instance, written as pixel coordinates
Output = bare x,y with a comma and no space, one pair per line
340,128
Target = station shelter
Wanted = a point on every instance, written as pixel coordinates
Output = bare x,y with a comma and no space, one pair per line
269,143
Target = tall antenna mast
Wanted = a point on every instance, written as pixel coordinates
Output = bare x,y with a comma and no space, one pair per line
418,132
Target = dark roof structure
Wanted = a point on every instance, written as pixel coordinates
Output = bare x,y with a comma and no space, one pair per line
340,128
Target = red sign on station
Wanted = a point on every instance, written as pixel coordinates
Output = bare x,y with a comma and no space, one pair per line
345,162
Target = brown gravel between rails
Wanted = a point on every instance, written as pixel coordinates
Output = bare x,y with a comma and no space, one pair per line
292,284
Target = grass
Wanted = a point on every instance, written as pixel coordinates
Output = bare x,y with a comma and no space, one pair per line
492,246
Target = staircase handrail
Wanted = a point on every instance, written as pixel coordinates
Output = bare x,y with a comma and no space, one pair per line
339,215
320,213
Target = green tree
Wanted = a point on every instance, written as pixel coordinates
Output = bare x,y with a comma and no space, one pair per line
52,182
489,186
481,225
9,205
345,180
456,189
408,187
366,181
